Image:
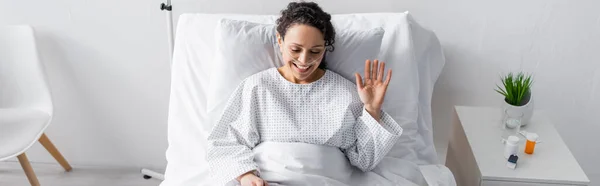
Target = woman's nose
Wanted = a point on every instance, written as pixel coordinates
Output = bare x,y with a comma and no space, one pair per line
303,58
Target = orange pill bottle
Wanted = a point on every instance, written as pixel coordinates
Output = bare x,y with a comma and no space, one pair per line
531,141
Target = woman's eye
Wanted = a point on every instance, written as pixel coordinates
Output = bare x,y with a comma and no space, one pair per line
295,50
315,52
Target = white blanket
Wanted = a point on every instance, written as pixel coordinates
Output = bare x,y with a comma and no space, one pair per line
308,164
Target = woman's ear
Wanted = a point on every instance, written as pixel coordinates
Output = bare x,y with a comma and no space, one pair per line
280,42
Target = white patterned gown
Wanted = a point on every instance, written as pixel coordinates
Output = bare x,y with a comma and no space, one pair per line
267,107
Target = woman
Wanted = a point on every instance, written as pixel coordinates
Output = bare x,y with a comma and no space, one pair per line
303,102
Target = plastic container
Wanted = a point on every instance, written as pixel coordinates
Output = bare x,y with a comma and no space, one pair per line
531,141
511,146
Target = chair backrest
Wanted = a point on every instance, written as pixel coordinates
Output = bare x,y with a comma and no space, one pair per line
23,83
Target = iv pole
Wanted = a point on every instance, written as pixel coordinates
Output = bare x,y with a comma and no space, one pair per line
164,7
169,14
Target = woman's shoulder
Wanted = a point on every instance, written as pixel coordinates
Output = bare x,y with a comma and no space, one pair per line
259,78
340,81
265,74
344,88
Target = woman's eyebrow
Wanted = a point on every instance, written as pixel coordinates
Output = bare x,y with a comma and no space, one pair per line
303,46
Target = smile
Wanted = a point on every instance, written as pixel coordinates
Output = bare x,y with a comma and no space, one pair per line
302,68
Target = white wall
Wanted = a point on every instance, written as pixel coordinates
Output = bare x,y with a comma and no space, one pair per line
108,66
109,72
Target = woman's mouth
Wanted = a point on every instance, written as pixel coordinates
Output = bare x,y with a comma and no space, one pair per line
301,68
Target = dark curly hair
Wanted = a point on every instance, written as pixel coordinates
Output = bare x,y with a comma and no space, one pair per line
308,13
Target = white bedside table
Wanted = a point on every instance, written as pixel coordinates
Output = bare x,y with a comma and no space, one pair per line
475,152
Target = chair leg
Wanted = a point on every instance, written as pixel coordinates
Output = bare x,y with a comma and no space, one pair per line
54,152
28,170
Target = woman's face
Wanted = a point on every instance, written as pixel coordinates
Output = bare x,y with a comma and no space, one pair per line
302,50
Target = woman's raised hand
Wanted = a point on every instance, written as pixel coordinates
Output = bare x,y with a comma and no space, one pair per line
372,90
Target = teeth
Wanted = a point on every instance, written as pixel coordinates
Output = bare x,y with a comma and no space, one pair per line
302,67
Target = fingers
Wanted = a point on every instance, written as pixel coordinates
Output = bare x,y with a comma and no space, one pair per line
374,70
388,78
259,182
367,69
381,71
377,70
359,82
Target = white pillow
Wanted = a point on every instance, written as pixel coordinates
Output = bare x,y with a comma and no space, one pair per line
246,48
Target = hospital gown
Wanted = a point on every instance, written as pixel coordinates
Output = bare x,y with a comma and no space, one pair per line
267,107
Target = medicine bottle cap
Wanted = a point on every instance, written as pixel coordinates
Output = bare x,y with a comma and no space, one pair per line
532,136
513,140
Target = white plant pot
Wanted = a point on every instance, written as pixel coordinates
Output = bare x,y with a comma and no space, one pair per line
526,110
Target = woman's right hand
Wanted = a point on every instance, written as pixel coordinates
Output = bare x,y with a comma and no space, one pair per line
249,179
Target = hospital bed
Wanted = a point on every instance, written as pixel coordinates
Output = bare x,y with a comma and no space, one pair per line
413,52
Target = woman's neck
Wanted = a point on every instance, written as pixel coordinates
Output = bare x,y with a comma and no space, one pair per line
288,75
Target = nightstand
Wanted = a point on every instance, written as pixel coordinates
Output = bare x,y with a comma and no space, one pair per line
475,152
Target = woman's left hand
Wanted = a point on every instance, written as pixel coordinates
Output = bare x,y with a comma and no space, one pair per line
372,90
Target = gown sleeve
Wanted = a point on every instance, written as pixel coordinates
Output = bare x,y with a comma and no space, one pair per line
230,143
373,140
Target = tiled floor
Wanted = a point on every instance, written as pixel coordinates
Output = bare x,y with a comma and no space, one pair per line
11,174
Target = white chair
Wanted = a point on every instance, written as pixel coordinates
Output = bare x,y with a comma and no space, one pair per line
25,102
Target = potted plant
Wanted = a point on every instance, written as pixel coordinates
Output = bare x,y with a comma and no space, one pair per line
518,99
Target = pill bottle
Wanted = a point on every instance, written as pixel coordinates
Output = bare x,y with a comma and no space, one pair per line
511,146
531,141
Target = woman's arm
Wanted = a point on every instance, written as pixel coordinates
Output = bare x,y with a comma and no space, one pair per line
373,140
231,141
375,131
